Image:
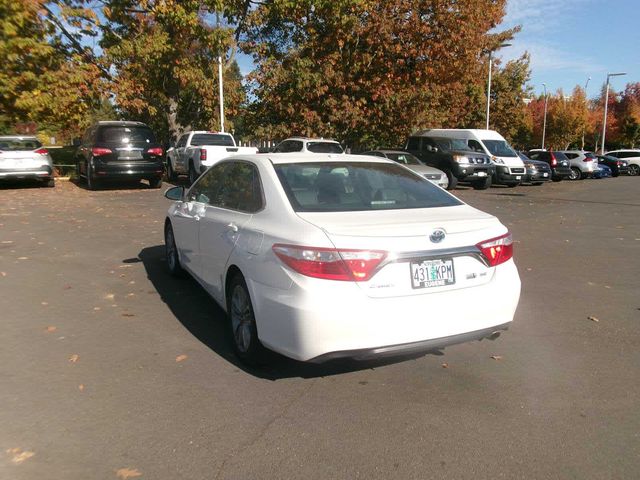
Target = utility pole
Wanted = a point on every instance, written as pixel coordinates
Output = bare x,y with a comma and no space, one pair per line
544,121
489,80
585,97
220,81
606,104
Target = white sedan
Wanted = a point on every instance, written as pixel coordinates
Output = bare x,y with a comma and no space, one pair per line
324,256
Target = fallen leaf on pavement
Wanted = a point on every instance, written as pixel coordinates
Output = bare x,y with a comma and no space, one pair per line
445,365
109,296
125,473
496,357
593,319
3,274
180,358
81,387
44,303
51,328
23,258
74,358
18,455
66,287
128,315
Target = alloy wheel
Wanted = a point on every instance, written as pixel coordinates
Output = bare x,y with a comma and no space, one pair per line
241,318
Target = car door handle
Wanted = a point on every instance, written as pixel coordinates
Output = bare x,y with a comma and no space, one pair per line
232,227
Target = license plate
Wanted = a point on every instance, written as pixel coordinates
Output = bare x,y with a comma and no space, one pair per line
518,177
482,174
130,156
432,273
545,174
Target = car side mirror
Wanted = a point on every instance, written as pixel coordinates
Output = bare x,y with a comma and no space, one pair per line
432,149
174,193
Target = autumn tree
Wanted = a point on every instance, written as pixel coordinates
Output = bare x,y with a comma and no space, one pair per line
367,72
629,114
566,119
165,58
47,75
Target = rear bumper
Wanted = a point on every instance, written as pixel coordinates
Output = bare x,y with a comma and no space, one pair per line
561,172
536,176
327,319
121,171
43,172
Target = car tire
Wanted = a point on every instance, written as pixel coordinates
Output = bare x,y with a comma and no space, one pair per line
92,183
481,184
615,174
171,174
453,180
537,184
576,174
155,182
171,252
513,185
49,183
634,170
193,175
244,331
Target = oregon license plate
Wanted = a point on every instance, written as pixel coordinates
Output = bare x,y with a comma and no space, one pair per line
482,174
432,273
545,174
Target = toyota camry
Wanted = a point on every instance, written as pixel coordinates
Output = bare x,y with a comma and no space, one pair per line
322,256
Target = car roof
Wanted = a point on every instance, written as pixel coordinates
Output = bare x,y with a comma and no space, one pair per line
633,150
388,150
122,123
301,157
311,139
18,137
467,133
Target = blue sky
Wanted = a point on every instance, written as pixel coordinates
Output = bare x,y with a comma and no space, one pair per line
570,41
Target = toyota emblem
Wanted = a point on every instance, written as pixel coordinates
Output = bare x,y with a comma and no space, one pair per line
437,235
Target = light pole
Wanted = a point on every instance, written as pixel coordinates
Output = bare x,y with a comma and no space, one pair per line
606,104
489,80
544,121
585,97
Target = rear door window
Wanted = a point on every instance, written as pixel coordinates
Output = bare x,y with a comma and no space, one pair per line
413,143
324,147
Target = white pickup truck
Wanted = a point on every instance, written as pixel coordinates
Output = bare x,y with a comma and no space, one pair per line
196,151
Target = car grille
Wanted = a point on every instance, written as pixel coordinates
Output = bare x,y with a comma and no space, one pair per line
480,160
517,170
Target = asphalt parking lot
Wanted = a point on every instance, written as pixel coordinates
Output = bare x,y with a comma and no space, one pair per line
112,369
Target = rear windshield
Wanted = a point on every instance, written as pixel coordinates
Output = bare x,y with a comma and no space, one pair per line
589,155
358,186
324,147
405,158
560,156
19,144
126,135
499,148
212,139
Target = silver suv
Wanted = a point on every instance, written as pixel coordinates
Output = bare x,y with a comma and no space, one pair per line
631,156
22,157
583,164
308,145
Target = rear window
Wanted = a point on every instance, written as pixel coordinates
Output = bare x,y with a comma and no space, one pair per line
358,186
19,144
589,155
499,148
405,158
212,139
560,156
126,135
324,147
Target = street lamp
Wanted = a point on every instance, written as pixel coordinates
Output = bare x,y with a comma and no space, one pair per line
585,97
606,104
489,80
544,121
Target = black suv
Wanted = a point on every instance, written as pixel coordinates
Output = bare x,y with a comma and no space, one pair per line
558,161
119,150
454,158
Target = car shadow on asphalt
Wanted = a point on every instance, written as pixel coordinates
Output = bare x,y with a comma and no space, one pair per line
205,320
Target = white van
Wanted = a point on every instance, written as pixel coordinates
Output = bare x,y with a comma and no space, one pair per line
509,167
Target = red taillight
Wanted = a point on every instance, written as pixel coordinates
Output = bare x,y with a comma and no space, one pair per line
554,162
203,154
42,151
155,151
497,250
98,151
331,264
619,164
